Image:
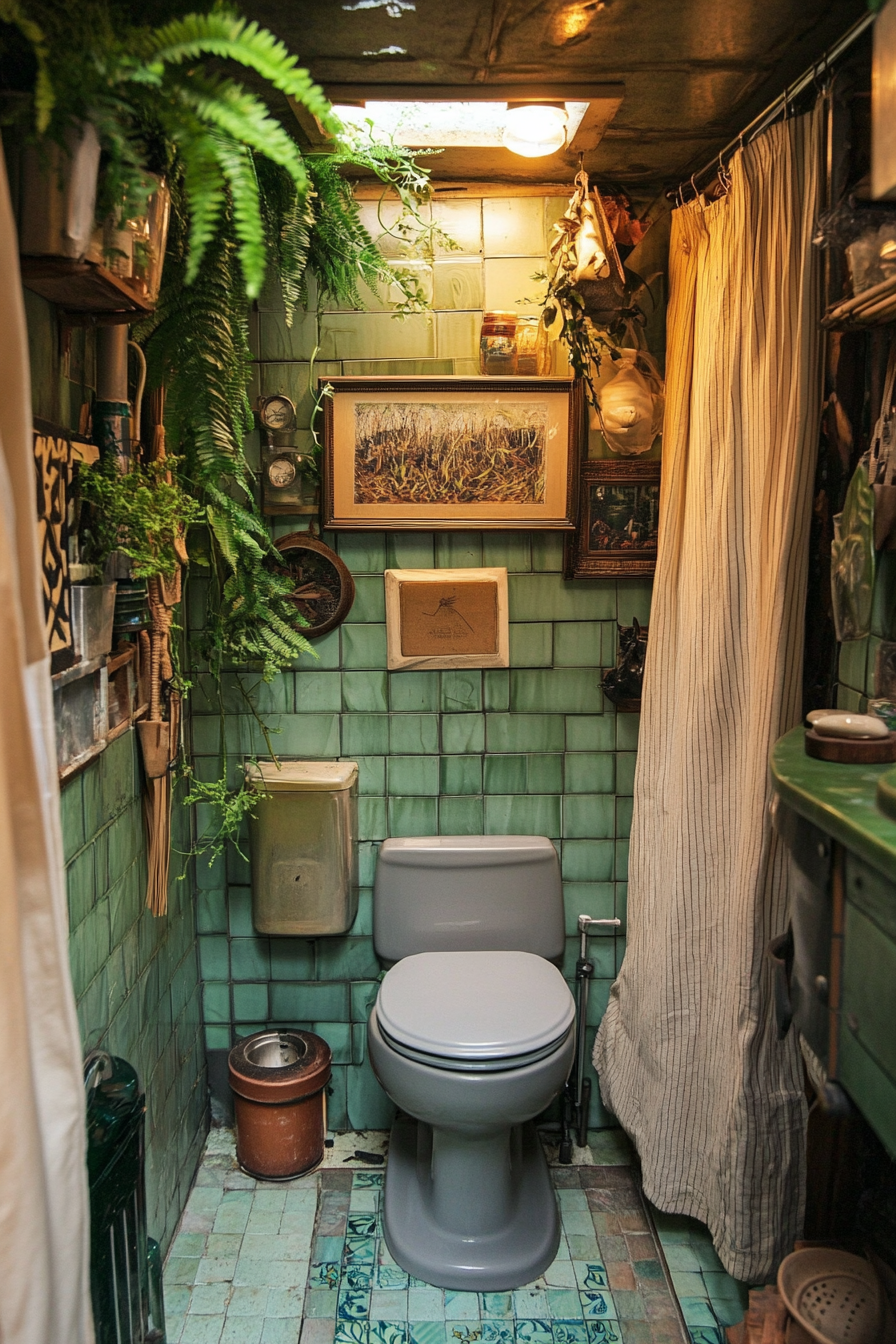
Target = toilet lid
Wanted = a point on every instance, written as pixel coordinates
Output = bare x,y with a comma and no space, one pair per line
475,1005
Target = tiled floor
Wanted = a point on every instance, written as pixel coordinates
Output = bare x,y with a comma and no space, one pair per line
710,1298
257,1263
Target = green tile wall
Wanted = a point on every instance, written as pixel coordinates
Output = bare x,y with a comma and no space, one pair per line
534,749
136,978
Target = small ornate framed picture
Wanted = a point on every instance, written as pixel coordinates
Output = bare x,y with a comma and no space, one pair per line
619,506
446,618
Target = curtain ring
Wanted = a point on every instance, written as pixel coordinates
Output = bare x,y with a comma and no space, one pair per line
694,186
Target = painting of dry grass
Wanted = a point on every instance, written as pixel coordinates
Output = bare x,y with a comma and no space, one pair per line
449,453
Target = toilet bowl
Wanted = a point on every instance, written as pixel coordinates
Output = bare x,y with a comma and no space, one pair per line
472,1037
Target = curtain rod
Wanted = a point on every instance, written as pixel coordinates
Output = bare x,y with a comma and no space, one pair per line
774,109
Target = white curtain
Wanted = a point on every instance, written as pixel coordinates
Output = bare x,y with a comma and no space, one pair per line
44,1226
687,1053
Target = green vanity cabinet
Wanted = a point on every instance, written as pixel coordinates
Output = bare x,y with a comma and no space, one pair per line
867,1053
840,801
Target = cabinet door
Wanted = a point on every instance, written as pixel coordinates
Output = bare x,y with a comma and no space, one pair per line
868,1005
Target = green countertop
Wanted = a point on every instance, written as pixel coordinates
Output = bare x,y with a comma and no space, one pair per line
839,799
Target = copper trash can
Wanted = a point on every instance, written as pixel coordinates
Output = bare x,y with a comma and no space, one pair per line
279,1081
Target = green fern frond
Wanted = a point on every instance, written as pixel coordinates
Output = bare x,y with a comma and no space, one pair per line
238,168
243,118
295,249
204,190
226,35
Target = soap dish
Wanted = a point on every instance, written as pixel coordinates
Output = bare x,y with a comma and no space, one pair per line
851,750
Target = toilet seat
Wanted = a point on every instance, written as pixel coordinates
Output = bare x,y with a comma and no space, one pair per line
474,1011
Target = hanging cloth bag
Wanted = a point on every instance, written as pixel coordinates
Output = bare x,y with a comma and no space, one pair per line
852,558
882,464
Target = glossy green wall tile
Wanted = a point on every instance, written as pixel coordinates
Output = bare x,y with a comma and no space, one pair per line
530,749
463,733
136,977
461,816
461,775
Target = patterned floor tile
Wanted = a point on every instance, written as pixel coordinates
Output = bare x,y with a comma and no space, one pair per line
497,1331
464,1332
262,1264
388,1332
427,1332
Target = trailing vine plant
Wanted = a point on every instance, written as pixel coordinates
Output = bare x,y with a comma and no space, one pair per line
244,194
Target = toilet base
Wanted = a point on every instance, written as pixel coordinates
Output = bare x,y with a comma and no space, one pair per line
495,1261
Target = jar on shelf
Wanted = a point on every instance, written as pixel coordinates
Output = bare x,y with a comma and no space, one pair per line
533,357
497,344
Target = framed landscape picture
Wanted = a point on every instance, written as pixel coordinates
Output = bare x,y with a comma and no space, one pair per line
446,618
445,453
618,523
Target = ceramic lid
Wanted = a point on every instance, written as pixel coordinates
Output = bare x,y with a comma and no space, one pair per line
301,776
475,1005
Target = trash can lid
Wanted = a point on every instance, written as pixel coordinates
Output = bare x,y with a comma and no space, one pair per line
301,776
279,1065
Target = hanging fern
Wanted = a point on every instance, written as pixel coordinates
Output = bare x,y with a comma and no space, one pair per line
243,195
151,85
197,344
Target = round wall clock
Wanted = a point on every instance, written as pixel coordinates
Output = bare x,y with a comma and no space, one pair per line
324,589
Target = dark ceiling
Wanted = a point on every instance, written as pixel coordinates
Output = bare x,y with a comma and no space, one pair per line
695,71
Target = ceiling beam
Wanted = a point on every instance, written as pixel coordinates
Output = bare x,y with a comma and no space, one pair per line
538,91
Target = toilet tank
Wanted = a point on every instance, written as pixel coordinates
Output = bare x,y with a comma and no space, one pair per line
304,847
468,893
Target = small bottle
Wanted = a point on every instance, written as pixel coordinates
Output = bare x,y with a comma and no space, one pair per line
497,344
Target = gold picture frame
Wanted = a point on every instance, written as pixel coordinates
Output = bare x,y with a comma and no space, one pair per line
421,454
446,618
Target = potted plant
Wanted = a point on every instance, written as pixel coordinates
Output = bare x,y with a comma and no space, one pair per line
93,608
142,515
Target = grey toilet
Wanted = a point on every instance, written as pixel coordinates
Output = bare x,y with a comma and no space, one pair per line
472,1036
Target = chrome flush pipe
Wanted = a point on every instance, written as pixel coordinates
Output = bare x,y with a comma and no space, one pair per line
576,1101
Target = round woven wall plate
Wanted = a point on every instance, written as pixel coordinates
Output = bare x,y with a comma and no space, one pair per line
324,589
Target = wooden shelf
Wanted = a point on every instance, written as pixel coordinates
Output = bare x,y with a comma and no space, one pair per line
86,293
76,672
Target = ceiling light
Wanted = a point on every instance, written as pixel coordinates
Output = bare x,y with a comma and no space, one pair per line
535,129
451,123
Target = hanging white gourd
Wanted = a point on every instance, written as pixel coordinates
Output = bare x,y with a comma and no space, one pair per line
630,404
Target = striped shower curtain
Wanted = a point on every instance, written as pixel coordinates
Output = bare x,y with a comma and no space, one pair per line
44,1216
687,1054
